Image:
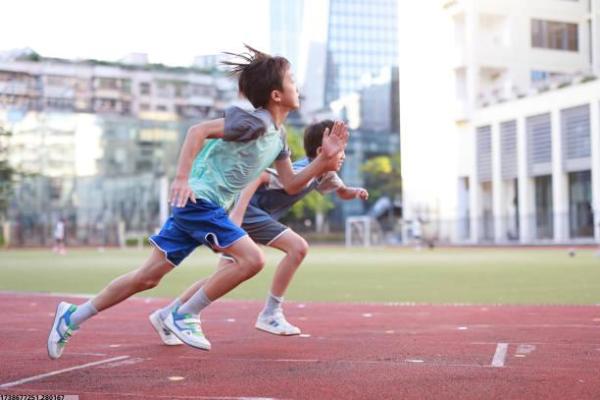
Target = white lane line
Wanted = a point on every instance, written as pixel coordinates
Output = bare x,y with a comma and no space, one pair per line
500,355
60,371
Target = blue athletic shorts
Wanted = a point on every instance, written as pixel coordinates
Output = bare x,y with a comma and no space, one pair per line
196,224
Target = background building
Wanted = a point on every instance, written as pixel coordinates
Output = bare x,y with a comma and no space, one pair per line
362,39
518,138
286,29
95,143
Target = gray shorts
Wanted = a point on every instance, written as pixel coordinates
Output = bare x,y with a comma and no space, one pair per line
262,232
266,231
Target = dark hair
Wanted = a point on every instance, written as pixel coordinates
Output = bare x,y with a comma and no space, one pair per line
258,74
313,136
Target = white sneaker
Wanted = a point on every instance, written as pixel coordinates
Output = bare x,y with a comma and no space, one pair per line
188,329
165,334
276,324
61,330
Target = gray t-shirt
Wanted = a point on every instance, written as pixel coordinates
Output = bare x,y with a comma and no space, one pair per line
275,201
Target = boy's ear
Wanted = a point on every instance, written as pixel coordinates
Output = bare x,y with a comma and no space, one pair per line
276,96
319,149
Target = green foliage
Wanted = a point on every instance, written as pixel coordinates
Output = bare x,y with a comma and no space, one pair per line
32,56
7,173
295,140
382,177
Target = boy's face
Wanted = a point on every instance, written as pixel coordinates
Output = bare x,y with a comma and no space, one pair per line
339,158
289,94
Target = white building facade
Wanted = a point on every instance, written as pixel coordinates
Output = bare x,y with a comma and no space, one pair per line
518,128
535,173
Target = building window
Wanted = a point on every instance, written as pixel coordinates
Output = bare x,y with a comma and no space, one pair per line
554,35
108,83
544,214
484,153
581,216
576,134
145,88
538,77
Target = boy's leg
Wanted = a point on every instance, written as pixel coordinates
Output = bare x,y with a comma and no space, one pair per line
189,292
295,248
69,316
144,278
157,317
184,322
248,260
271,318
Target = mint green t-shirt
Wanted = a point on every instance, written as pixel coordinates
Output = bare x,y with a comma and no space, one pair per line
224,167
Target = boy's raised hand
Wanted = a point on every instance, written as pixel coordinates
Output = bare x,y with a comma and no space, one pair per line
335,140
180,193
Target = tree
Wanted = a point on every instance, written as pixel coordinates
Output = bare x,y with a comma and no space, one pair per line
382,177
7,174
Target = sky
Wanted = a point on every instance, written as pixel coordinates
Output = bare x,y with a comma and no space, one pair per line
172,32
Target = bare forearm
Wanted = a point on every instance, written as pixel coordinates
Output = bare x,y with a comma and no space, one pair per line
294,183
194,140
346,193
351,193
237,214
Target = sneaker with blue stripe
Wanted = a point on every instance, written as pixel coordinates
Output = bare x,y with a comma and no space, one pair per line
62,329
188,329
276,324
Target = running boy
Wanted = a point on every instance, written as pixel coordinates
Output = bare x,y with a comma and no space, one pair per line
210,174
261,209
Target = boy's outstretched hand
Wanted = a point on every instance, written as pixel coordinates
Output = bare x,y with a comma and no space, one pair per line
360,193
335,140
180,193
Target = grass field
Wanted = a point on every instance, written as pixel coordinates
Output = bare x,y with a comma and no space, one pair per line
506,276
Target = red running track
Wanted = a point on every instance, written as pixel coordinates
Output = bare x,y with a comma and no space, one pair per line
350,351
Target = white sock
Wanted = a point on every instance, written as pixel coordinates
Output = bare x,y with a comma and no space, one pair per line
164,312
195,304
273,303
83,313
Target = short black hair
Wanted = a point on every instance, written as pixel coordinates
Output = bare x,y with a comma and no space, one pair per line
313,136
258,74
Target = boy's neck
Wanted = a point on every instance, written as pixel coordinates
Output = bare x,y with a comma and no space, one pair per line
278,114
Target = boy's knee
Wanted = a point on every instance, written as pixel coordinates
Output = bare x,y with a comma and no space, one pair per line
299,250
147,279
253,265
302,248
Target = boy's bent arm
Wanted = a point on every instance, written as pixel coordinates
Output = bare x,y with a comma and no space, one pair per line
334,141
237,214
193,143
293,183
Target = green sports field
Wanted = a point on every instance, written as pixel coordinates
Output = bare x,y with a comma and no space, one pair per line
486,276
